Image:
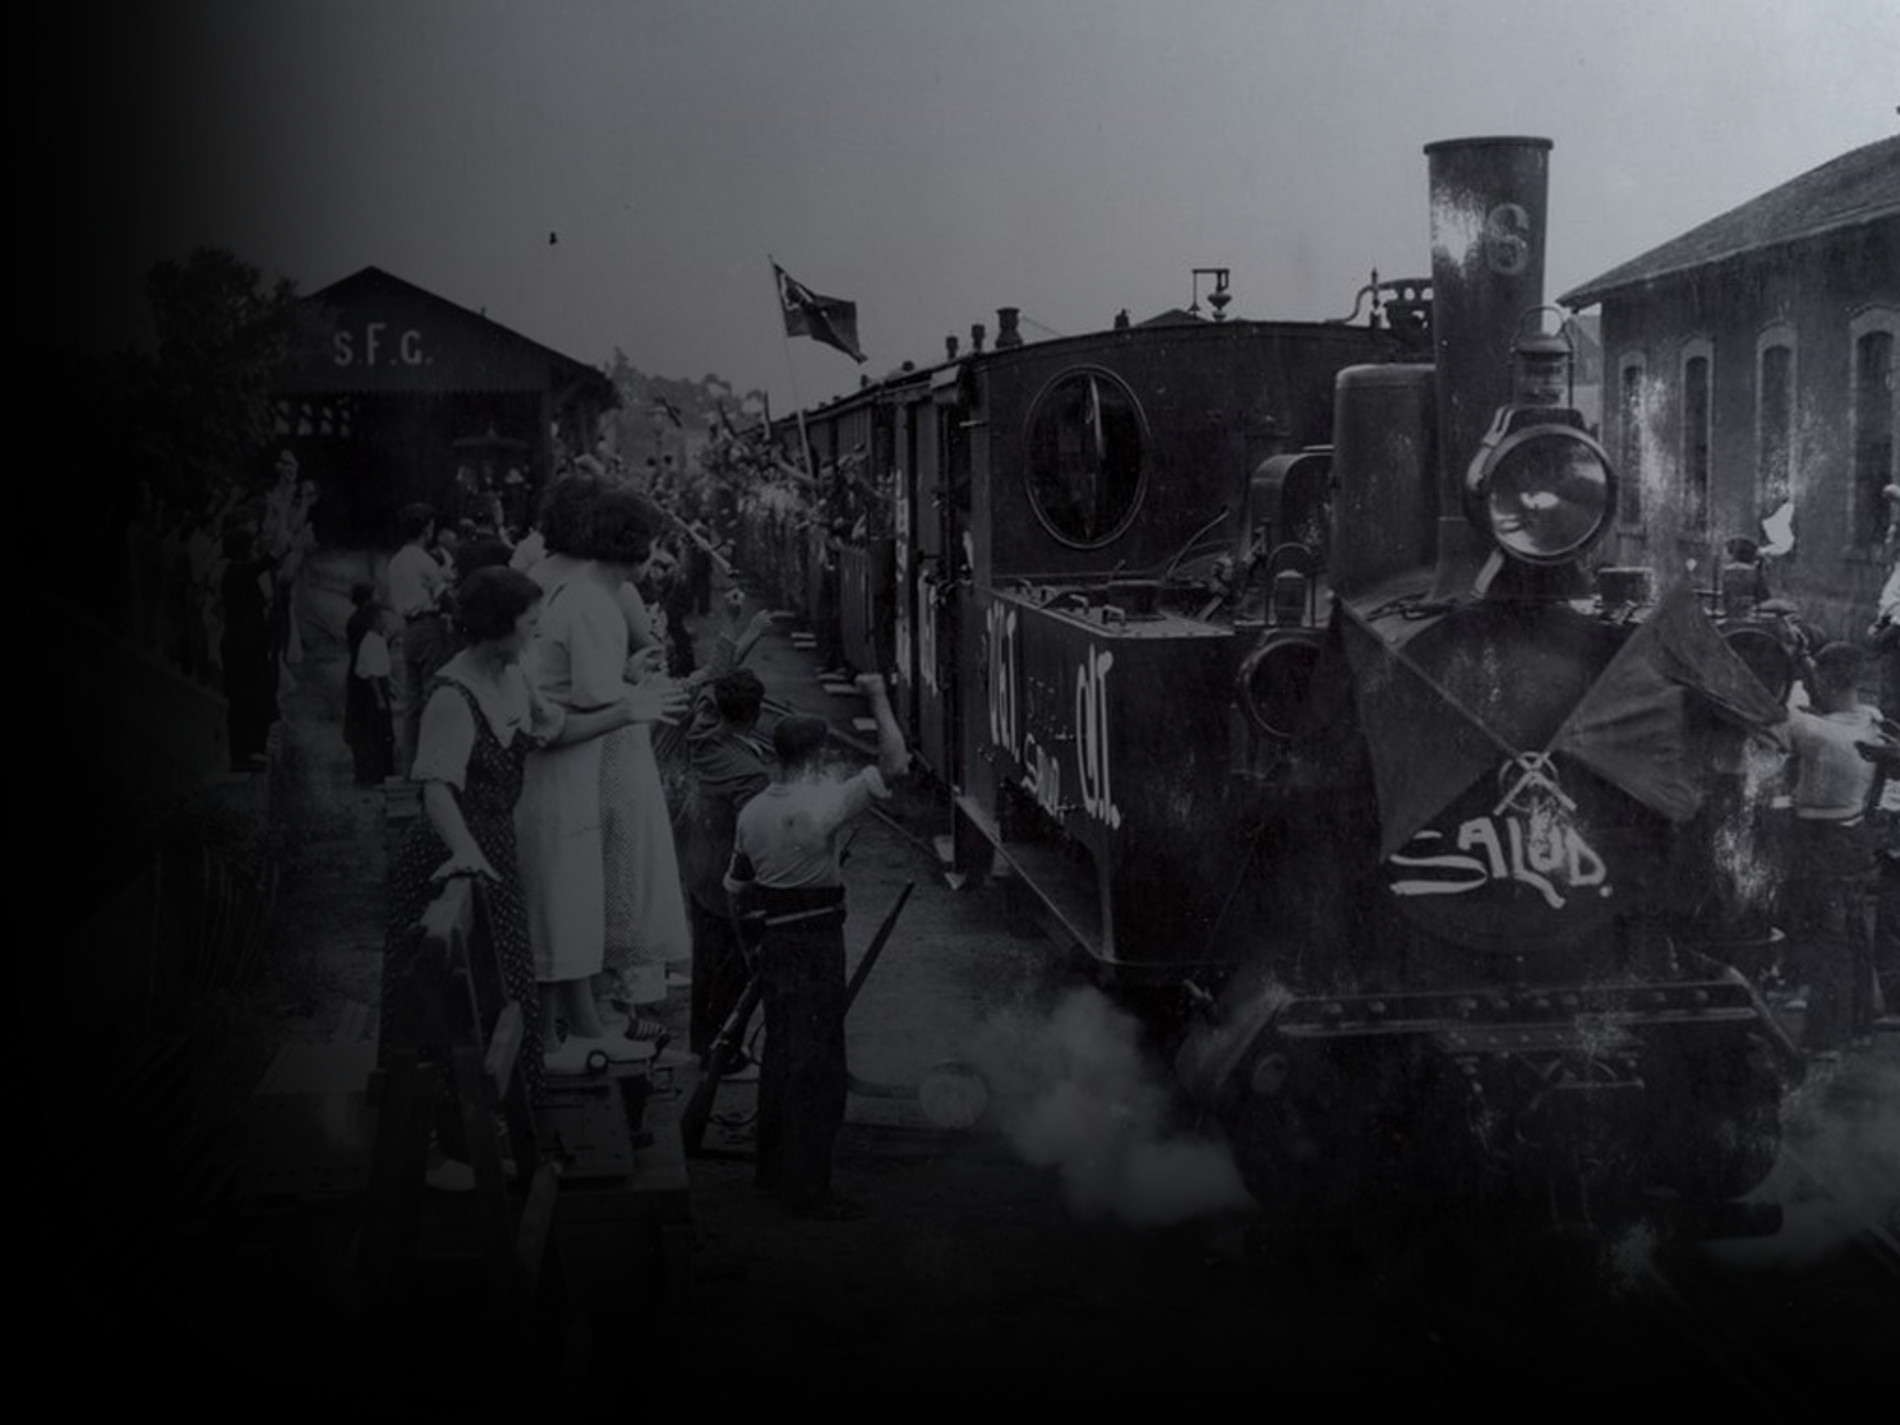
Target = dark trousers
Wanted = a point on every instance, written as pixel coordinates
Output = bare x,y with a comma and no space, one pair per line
803,1081
1834,872
719,975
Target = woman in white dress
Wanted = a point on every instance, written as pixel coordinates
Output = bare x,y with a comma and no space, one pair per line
596,536
647,927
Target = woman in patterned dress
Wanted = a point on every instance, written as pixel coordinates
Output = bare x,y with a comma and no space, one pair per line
481,721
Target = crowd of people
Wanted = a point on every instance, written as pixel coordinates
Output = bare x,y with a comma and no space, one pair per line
1842,897
625,815
212,587
534,678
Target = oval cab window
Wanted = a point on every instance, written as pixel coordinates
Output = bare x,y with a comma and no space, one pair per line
1086,471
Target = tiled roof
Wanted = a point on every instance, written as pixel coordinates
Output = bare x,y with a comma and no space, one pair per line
1853,189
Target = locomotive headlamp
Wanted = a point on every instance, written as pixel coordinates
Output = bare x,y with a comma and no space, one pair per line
1540,486
1540,372
1275,678
1542,363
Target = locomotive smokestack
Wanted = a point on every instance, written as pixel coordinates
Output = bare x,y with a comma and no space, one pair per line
1488,201
976,337
1007,334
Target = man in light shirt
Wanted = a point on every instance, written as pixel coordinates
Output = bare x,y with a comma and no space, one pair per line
1837,743
787,872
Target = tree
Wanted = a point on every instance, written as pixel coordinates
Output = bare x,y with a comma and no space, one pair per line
222,333
206,405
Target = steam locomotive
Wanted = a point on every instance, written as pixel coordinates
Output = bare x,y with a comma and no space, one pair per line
1265,660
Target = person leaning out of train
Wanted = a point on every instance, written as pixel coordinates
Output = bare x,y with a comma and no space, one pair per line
1838,742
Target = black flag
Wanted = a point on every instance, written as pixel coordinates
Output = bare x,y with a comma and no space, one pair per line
828,319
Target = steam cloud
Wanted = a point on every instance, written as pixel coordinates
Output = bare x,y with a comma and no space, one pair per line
1074,1092
1843,1170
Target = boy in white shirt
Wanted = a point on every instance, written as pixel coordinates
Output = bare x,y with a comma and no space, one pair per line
1834,847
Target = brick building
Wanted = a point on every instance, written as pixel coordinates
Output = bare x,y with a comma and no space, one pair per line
1749,363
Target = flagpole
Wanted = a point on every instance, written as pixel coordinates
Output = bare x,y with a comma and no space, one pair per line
798,403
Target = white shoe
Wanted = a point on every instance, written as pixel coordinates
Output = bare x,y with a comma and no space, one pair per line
621,1050
571,1058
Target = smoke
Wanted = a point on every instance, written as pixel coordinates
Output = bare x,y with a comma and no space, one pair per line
1839,1174
1746,864
1073,1091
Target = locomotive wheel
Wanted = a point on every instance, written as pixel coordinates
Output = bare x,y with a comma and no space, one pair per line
1715,1128
1286,1114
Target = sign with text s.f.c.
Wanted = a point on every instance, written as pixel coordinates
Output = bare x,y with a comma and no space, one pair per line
374,344
387,335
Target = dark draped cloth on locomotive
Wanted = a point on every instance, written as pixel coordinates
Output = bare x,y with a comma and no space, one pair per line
1632,726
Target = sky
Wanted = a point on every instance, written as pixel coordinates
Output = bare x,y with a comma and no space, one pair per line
931,162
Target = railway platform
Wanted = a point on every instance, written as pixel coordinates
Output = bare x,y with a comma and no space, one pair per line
624,1222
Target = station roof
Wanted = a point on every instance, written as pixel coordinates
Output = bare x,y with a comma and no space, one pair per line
1857,188
392,335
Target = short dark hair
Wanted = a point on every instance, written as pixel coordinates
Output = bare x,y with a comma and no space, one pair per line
565,508
413,521
1838,665
799,739
739,695
481,554
491,600
618,528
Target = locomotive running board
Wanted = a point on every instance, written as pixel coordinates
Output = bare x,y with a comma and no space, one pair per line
1068,909
1067,905
1492,1021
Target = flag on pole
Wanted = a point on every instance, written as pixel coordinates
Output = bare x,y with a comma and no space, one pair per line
827,319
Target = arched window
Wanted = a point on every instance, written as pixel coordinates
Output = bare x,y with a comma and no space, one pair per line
1774,418
1698,433
1633,433
1873,415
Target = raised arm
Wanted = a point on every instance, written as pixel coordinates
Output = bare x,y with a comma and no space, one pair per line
893,757
735,643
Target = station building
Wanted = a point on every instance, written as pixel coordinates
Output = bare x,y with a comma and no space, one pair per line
416,398
1749,364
